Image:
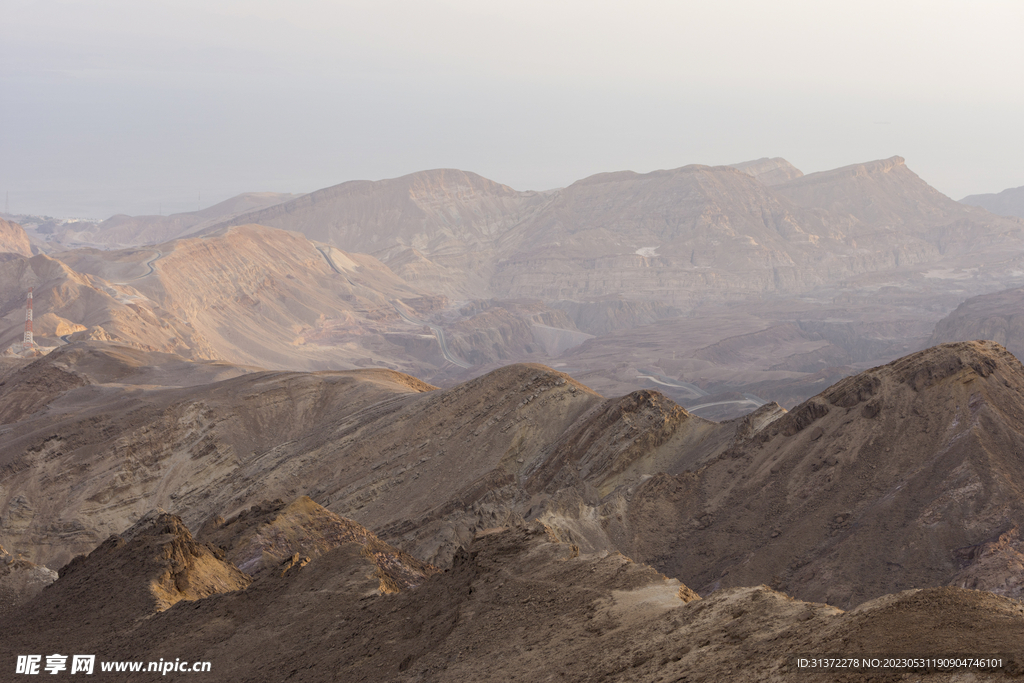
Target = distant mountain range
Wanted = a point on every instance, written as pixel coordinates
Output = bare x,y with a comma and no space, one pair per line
1006,203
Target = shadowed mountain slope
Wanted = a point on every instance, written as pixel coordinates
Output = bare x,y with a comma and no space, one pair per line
894,478
517,606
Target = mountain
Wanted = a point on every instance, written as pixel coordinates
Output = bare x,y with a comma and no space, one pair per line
998,316
1006,203
126,231
435,229
796,500
149,427
13,239
681,237
272,298
468,274
69,303
515,605
678,237
894,478
883,205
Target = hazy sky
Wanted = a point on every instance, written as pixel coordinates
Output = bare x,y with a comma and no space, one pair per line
138,107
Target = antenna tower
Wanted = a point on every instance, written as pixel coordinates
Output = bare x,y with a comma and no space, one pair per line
28,320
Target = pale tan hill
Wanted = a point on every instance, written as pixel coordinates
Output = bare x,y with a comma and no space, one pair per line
126,231
1006,203
268,297
998,316
678,236
82,306
769,171
436,229
518,606
13,239
884,205
879,484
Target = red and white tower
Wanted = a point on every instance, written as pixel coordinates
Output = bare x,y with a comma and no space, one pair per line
28,320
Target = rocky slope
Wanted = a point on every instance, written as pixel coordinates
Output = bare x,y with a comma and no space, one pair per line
267,297
13,239
898,477
20,581
126,446
71,303
436,229
911,464
514,606
275,537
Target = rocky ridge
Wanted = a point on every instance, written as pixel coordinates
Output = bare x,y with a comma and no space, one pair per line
516,604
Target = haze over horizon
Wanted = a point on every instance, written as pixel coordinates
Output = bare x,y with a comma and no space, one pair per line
113,107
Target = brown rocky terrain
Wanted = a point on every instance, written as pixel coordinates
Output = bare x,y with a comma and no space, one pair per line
660,300
1006,203
20,580
13,239
274,537
899,477
515,605
795,500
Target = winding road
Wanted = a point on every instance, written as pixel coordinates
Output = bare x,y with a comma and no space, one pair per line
438,332
748,399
